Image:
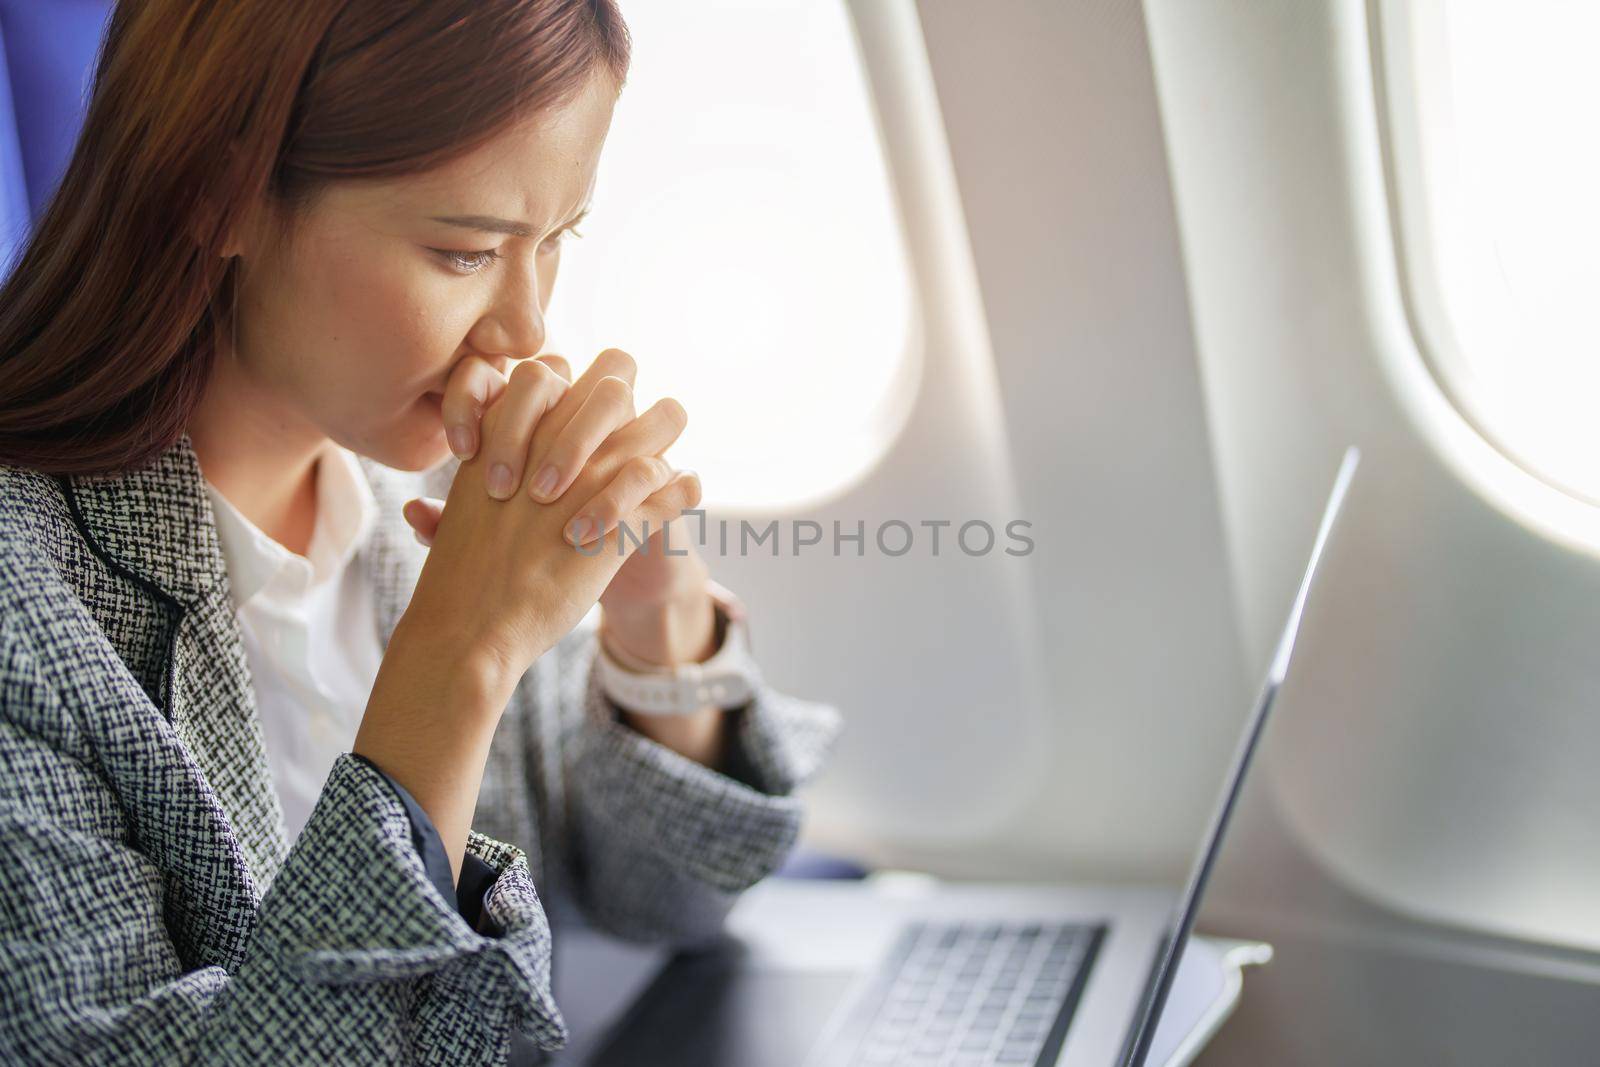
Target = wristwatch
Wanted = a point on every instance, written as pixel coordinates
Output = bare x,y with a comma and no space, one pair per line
726,680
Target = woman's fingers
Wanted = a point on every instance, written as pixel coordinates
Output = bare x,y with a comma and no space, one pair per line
422,514
679,492
473,386
636,482
612,363
558,364
643,471
652,433
534,388
553,467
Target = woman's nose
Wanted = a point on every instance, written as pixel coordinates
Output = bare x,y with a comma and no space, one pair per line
513,330
523,338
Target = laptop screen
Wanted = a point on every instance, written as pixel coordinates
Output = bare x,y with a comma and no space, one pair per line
1143,1030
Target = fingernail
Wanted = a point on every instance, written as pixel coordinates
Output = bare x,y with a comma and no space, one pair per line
545,483
460,441
579,529
499,481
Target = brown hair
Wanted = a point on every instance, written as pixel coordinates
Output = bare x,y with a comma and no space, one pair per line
109,320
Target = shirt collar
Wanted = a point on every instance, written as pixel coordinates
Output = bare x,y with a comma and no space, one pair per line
346,515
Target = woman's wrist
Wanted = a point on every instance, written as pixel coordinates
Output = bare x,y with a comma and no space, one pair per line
461,667
475,667
429,723
682,630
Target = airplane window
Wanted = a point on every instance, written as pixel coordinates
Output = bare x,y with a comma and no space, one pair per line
1492,109
743,244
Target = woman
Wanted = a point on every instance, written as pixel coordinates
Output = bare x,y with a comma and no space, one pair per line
279,782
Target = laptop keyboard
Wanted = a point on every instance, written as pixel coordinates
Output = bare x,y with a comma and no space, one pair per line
966,994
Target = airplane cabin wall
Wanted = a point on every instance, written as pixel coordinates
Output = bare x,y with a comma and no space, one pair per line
1435,753
1068,713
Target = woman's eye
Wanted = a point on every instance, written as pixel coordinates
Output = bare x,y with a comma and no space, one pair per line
553,242
468,262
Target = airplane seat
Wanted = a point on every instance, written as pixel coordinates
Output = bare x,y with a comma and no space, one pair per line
47,56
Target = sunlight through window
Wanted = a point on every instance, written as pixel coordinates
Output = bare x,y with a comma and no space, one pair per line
744,246
1499,170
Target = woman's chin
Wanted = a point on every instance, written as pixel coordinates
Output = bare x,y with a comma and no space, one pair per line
435,447
424,454
427,448
421,457
416,442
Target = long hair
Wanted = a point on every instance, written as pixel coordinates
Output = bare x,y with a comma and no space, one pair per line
110,318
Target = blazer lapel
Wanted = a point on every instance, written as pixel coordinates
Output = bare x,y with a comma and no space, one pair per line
156,525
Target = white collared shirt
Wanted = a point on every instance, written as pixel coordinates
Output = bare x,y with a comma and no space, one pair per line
310,630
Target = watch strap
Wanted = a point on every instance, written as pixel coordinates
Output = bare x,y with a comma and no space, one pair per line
727,680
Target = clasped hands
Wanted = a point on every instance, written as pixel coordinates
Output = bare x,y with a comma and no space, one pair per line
534,433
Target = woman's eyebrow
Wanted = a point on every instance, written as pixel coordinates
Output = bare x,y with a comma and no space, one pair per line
490,224
487,224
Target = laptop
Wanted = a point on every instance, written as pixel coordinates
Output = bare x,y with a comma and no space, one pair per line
961,976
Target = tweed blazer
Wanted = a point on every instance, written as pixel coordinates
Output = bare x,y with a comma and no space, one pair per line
151,908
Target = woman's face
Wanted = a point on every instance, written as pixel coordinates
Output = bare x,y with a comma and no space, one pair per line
350,329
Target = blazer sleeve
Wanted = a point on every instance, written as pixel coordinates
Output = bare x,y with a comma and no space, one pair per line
477,877
352,957
664,845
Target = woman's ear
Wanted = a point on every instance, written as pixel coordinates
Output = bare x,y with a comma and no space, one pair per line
238,236
241,236
235,238
232,242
